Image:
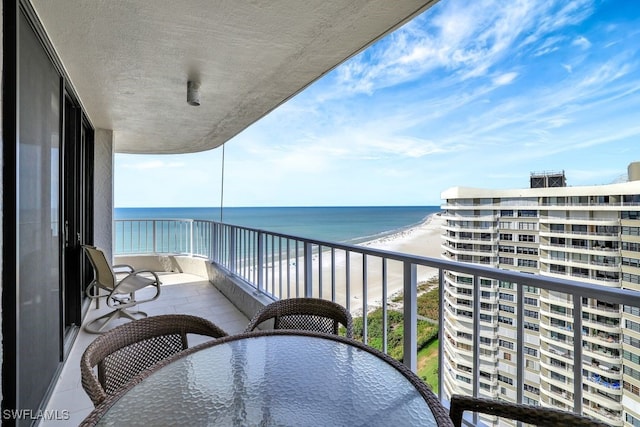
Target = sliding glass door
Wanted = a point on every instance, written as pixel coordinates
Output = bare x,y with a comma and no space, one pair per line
38,214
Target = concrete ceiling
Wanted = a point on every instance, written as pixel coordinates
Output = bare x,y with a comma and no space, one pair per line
129,61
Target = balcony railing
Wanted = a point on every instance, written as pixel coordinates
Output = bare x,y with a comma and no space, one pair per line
283,266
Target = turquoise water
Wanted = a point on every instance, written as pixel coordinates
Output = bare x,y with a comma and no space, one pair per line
335,224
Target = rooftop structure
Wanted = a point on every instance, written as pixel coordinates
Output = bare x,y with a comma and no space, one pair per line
548,179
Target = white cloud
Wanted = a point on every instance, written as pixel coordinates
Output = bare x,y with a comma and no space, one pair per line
460,38
581,42
504,79
567,67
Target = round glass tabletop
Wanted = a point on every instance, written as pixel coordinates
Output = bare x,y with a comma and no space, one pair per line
274,380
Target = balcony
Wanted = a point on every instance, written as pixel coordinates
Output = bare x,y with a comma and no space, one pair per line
238,264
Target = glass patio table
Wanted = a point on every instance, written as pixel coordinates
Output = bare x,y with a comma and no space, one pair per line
283,378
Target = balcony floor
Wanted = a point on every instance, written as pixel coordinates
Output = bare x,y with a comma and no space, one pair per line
181,293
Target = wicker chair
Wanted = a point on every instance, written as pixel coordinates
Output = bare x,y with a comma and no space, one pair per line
536,415
123,352
308,314
118,287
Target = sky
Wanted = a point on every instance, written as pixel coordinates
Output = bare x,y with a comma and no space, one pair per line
472,93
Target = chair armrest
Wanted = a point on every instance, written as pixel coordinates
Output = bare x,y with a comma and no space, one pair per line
537,415
130,285
153,273
126,267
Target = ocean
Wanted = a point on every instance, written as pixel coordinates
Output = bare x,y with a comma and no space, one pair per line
335,224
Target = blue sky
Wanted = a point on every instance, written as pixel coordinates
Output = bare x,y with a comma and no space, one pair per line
475,93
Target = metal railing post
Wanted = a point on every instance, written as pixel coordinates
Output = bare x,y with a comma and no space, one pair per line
191,238
520,334
577,352
476,342
232,249
440,333
308,270
214,248
261,262
410,300
154,232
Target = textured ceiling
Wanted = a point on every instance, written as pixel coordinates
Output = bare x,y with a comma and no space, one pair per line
130,61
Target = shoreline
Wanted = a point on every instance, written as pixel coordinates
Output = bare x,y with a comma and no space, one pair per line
423,239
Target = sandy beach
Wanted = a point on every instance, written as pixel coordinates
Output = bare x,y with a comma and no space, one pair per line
422,240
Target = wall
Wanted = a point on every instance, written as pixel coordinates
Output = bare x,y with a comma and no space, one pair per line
103,191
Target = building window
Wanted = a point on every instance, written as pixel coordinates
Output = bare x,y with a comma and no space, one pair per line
506,320
631,231
556,227
527,226
530,351
631,278
531,290
528,401
630,246
527,251
629,340
578,228
507,356
531,301
506,213
531,389
634,389
506,297
506,236
463,379
506,344
526,238
531,326
632,420
506,308
635,311
528,214
631,372
508,249
630,214
531,313
505,285
505,260
634,358
631,262
485,340
634,326
505,379
529,263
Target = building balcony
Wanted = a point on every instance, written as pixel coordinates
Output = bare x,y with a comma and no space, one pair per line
606,415
236,265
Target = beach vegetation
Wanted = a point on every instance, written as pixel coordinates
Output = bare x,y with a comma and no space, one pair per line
428,312
428,365
427,331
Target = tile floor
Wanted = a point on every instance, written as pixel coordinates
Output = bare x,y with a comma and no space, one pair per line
180,293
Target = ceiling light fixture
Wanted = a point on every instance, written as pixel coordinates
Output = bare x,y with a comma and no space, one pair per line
193,93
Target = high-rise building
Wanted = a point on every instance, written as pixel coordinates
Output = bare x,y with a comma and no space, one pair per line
589,234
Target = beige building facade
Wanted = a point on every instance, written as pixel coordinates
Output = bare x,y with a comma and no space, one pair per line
588,234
